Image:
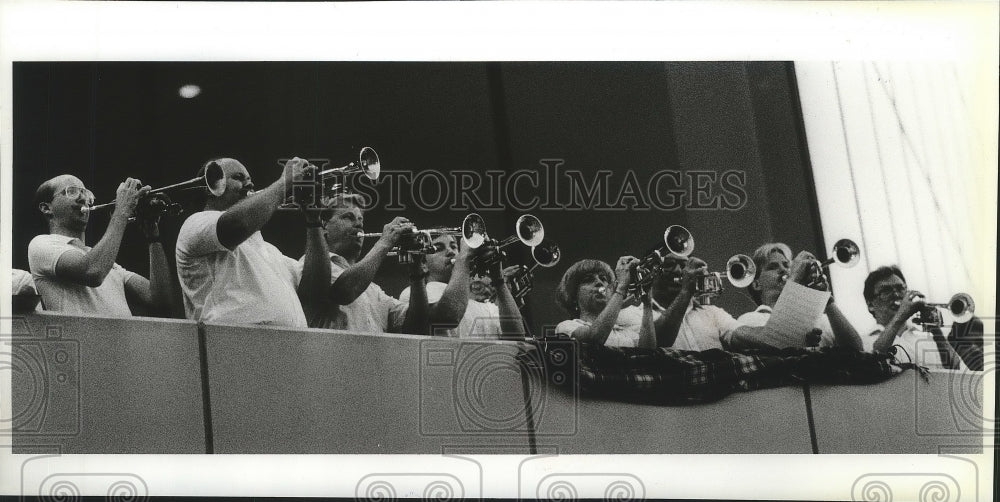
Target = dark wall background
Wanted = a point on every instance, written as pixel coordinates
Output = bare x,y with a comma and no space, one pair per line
105,121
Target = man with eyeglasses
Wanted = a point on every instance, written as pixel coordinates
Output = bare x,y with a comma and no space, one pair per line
892,305
75,278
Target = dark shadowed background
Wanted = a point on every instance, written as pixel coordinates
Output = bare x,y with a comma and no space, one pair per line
106,121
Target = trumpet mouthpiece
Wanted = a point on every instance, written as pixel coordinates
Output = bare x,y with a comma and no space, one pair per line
602,290
452,261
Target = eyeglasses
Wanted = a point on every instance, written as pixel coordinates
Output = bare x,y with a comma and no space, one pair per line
74,192
887,292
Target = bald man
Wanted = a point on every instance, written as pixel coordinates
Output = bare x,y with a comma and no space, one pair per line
75,278
229,274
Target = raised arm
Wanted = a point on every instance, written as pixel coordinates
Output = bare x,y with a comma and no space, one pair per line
912,302
161,293
417,317
843,331
356,278
450,308
90,268
315,283
668,325
511,323
250,214
600,328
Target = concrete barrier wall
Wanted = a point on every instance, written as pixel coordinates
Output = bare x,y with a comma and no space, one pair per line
93,385
96,385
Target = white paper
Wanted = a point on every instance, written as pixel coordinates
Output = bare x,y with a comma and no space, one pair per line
795,313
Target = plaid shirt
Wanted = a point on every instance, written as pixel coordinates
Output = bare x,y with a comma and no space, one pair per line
676,376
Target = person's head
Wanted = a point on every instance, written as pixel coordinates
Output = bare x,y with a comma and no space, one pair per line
667,280
439,264
773,261
343,222
61,201
884,288
481,288
580,290
235,180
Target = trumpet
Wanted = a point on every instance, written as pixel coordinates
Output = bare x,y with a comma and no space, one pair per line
845,252
418,242
546,254
368,164
528,230
213,180
740,271
677,241
961,306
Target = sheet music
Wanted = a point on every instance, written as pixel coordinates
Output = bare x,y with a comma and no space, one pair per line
795,314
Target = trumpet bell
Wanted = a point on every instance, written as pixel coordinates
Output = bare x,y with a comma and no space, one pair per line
530,230
962,307
215,179
740,270
847,253
473,230
678,240
546,254
369,163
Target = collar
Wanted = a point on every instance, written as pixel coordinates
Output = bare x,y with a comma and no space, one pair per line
338,260
763,309
66,239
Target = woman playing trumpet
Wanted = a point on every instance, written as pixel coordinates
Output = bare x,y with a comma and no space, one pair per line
775,267
596,296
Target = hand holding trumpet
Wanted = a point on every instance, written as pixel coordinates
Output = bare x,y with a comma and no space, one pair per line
693,269
127,197
396,230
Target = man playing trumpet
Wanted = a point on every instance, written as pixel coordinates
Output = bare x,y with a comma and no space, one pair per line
352,301
75,278
892,305
482,306
229,273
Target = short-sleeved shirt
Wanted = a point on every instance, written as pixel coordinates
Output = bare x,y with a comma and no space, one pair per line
705,327
919,346
252,284
108,299
624,333
481,319
760,317
373,311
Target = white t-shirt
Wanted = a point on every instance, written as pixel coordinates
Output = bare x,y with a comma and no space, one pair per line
705,327
701,328
252,284
919,345
481,319
372,312
624,333
760,317
108,299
